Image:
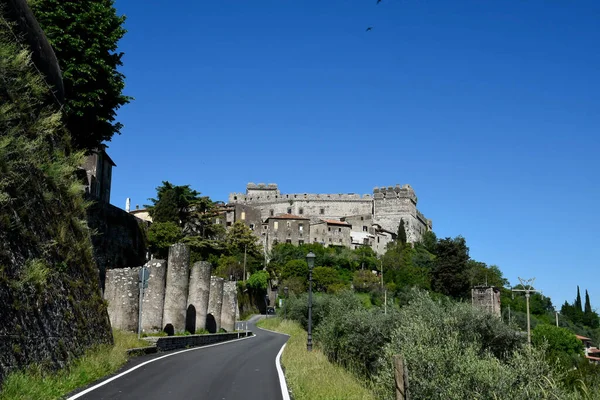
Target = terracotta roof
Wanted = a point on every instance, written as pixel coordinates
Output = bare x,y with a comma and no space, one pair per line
286,216
593,358
582,337
336,222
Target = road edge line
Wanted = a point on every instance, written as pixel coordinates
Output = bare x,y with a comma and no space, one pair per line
88,390
282,382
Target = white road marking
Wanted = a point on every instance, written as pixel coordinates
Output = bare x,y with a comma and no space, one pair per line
78,395
282,383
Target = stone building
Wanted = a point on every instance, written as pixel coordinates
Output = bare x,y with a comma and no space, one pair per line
98,167
285,228
487,298
384,207
331,232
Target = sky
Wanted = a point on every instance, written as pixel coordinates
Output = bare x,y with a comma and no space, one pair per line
488,109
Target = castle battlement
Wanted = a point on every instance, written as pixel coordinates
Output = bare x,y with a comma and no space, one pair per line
387,205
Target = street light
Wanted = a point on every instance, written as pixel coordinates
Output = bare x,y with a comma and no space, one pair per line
285,291
310,260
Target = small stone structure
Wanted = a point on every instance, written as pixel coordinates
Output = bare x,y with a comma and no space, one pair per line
199,293
154,296
176,292
487,298
215,303
123,295
184,297
228,310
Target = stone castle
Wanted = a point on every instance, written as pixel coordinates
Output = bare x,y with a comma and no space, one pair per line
351,219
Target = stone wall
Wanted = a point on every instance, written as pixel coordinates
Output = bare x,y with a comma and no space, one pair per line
198,296
215,304
119,239
182,342
176,292
228,310
177,295
154,296
387,205
123,295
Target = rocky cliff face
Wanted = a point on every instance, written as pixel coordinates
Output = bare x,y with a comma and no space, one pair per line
51,309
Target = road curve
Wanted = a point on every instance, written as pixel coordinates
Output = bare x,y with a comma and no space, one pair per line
243,370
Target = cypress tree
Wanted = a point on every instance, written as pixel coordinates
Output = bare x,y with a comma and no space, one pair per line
588,306
402,232
578,301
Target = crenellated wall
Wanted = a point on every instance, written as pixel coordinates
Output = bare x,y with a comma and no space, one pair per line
387,205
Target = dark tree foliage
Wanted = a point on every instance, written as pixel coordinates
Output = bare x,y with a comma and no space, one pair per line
450,272
84,35
578,300
401,232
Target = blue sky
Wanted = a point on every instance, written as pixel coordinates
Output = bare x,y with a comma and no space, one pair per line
489,109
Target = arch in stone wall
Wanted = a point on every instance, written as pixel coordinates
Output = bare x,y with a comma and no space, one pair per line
211,324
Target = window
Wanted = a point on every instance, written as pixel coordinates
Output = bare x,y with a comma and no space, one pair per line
365,229
243,217
288,240
275,225
339,229
377,239
289,224
266,227
315,240
300,227
330,240
329,229
275,241
251,227
289,211
322,211
229,223
362,218
301,211
365,241
340,240
272,212
300,242
218,221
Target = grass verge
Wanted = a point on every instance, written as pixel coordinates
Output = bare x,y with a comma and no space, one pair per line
35,383
309,375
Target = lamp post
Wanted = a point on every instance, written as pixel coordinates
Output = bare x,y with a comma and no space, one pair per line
310,260
285,291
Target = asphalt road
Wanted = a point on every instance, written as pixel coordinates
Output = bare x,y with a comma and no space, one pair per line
242,370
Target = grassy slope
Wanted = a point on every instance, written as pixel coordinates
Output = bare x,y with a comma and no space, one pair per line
310,376
95,364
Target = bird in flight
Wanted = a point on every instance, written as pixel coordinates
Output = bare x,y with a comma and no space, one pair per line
369,28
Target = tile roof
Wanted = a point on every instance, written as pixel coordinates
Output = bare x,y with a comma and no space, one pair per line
287,216
582,337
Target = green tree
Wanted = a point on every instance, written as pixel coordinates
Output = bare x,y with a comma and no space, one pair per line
401,232
450,273
578,301
295,268
429,241
590,318
562,344
365,281
84,35
161,235
480,274
324,278
258,280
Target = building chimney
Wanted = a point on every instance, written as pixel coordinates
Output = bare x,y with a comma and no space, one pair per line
127,204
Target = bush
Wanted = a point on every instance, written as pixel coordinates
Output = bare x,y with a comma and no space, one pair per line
454,351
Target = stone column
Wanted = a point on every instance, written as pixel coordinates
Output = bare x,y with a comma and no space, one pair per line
123,294
199,292
228,311
154,297
215,304
176,291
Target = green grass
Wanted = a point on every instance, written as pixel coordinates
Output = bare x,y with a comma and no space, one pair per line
35,383
309,375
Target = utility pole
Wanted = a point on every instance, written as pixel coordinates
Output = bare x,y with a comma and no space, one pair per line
245,262
556,319
527,285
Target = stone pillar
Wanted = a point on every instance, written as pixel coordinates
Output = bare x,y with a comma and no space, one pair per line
176,291
199,293
123,294
215,304
228,311
154,297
